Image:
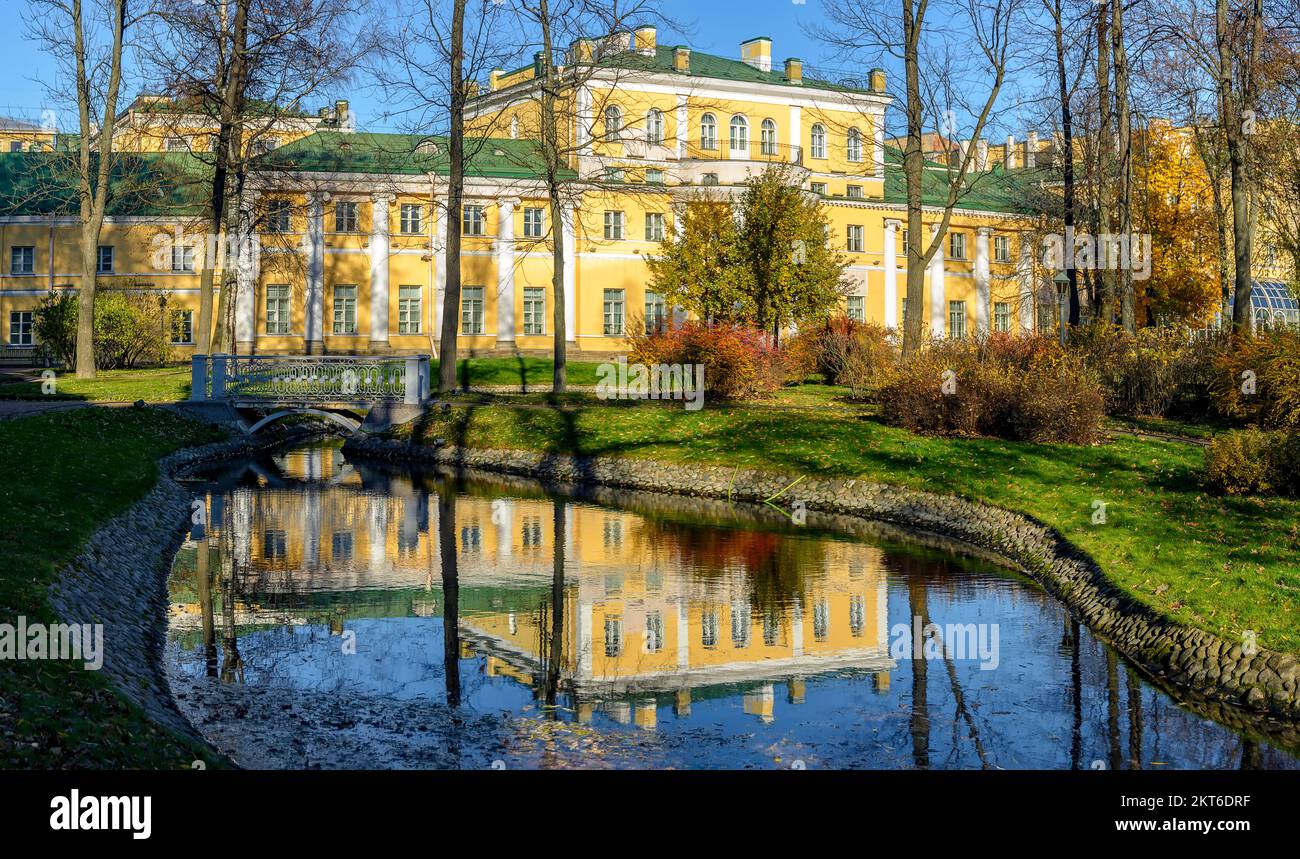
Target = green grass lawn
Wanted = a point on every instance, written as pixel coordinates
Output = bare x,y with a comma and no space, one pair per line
1224,564
66,472
170,384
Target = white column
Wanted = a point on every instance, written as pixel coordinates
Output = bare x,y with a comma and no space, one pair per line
247,264
570,279
878,143
584,121
892,226
314,329
440,266
505,254
1025,279
937,327
379,250
982,280
683,131
796,131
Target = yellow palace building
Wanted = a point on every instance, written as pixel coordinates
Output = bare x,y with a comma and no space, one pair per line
350,225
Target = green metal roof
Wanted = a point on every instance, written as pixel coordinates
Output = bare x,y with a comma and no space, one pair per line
155,184
713,66
405,154
995,190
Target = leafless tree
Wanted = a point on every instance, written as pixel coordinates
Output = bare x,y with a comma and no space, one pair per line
947,50
89,47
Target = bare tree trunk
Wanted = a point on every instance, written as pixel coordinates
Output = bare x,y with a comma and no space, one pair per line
913,168
1104,160
455,197
93,199
1067,139
1124,137
551,160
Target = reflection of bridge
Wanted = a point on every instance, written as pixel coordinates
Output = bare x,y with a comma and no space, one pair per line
334,387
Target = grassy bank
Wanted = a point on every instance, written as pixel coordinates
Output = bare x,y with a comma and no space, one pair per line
65,473
172,384
1224,564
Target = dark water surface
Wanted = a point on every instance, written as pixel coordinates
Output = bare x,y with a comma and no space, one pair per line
315,623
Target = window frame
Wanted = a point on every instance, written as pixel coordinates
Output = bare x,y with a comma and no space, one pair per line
100,268
538,229
614,312
534,316
410,219
817,139
347,217
708,131
472,299
347,294
22,334
283,316
654,226
854,238
768,142
614,225
28,266
413,315
654,126
853,146
473,219
182,320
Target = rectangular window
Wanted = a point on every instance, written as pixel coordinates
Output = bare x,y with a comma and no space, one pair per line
409,309
656,312
818,188
177,144
1002,248
957,246
613,636
654,631
533,223
104,260
856,309
957,320
654,176
613,225
854,238
20,328
22,260
614,313
277,308
854,192
471,310
412,218
654,227
534,310
345,217
1001,316
613,174
183,258
182,327
277,216
345,310
472,221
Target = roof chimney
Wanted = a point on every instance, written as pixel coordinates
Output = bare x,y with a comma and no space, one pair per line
878,80
1031,149
981,154
757,52
643,39
1009,162
494,79
681,58
794,70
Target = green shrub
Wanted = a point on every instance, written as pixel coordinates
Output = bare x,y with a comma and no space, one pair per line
1258,381
1254,462
739,363
130,327
1022,388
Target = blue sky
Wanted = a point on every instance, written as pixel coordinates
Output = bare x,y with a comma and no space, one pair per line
718,27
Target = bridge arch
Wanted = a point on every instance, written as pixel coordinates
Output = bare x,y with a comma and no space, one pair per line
349,424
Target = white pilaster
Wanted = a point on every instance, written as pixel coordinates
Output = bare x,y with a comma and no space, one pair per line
570,279
1025,279
314,316
248,262
892,226
683,132
583,121
982,279
379,250
878,143
440,265
796,131
505,258
937,328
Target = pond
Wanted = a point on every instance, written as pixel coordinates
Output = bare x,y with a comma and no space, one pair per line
329,612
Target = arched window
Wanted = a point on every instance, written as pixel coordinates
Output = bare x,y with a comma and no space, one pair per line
654,126
1261,319
739,134
613,123
818,141
708,132
853,145
769,137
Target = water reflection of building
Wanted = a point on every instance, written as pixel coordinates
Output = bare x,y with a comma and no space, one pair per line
649,608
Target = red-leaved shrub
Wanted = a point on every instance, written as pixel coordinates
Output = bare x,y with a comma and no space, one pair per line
739,363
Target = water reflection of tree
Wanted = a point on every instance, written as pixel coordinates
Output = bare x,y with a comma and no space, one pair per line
450,593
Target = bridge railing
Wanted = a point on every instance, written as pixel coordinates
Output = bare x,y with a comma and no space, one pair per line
294,378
